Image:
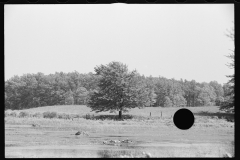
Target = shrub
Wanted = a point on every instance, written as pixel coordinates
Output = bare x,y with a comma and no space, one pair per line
38,115
71,116
7,113
63,116
89,116
49,115
78,116
13,114
60,116
74,116
23,114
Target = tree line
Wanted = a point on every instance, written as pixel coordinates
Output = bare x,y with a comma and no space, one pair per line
35,90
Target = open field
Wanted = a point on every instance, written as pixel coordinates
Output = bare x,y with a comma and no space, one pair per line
211,135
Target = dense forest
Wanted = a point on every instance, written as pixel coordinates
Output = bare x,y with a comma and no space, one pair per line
35,90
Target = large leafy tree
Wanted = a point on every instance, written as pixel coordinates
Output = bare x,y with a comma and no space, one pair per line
119,89
228,103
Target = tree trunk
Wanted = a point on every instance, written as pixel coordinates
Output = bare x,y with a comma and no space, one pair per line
120,114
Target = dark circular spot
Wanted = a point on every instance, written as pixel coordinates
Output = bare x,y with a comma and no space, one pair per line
183,119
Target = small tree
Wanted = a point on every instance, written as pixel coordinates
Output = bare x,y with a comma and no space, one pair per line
118,90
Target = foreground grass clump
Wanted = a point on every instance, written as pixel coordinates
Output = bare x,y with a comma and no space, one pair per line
122,154
49,114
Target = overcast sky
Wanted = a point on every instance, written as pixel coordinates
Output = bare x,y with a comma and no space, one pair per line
173,41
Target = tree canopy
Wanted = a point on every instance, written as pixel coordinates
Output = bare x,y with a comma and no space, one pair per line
119,89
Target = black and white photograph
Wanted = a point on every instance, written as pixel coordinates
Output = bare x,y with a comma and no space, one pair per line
119,80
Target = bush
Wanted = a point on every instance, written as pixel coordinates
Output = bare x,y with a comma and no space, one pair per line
78,116
13,114
71,116
60,116
63,116
89,116
23,114
68,116
7,113
38,115
49,115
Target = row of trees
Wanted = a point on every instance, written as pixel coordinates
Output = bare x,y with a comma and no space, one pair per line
186,93
34,90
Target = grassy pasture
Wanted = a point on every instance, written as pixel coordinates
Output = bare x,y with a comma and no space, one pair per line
44,137
82,110
77,111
